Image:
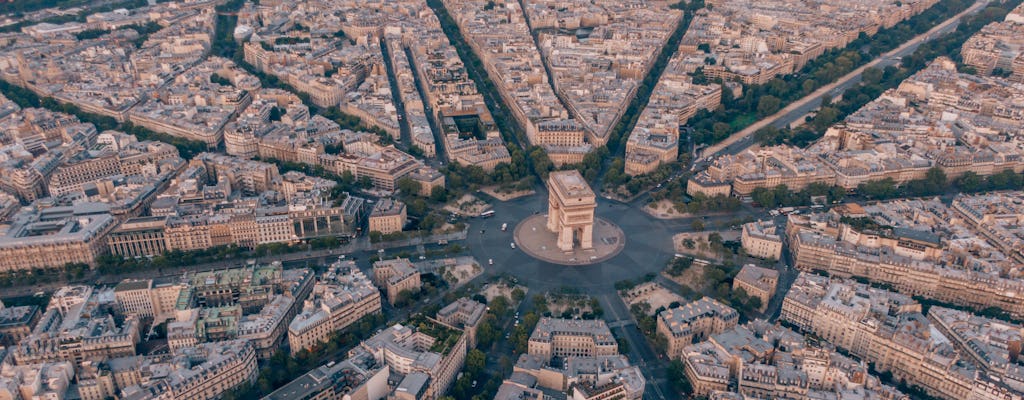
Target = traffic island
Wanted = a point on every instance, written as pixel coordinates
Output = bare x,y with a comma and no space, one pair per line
533,238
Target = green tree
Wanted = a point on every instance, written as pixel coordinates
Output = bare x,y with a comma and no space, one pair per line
518,295
486,333
438,194
697,225
677,377
768,105
872,76
721,130
408,186
475,362
499,306
825,117
878,189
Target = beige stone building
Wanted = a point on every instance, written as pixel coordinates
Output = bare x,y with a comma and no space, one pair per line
355,378
201,372
70,177
555,337
464,314
395,276
388,216
888,330
140,236
760,239
694,321
428,362
133,297
704,185
571,206
342,298
428,178
757,282
594,375
16,323
56,236
227,365
904,263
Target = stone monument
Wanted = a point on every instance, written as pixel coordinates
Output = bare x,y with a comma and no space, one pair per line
571,205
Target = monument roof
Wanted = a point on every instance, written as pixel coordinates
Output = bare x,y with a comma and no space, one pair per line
571,184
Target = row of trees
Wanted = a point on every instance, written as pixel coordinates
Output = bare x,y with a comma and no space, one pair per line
875,81
762,100
69,272
617,180
224,45
17,8
115,264
620,132
144,30
936,183
27,99
513,176
488,333
782,196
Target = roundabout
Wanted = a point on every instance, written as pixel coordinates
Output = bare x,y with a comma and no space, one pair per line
534,239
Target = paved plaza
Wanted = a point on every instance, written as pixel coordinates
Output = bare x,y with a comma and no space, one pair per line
534,239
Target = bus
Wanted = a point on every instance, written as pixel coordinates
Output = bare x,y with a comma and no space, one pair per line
487,214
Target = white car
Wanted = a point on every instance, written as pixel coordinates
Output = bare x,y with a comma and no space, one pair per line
513,244
490,261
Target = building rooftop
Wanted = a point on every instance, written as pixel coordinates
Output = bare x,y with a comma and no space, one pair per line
15,316
676,319
547,328
346,374
127,285
763,278
387,207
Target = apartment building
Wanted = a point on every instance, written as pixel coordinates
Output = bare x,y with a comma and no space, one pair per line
388,216
463,314
760,239
340,298
56,236
997,45
254,303
693,322
757,282
204,371
77,326
49,380
888,330
16,323
598,375
655,137
937,109
428,360
396,276
906,244
758,360
556,337
359,377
